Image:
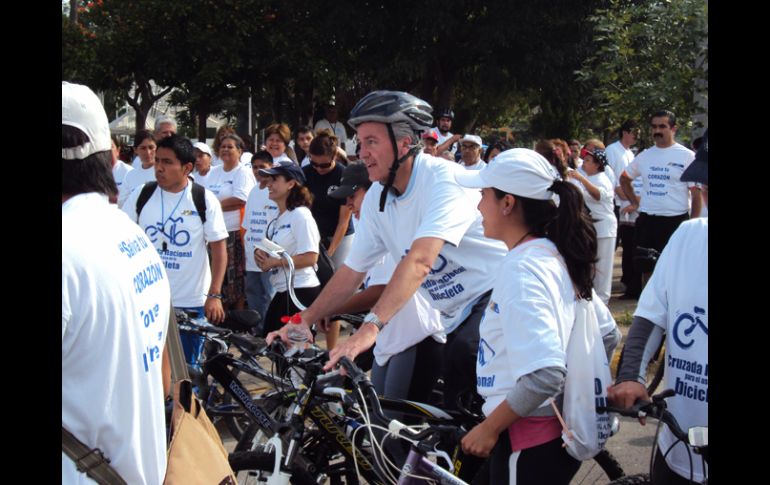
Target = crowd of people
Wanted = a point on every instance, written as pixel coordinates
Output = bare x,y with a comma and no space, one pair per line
468,257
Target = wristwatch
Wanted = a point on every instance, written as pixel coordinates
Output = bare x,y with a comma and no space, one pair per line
372,318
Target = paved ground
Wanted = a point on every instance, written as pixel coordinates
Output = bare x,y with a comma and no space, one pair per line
631,447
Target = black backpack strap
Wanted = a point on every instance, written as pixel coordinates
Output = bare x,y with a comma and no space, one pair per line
199,199
144,196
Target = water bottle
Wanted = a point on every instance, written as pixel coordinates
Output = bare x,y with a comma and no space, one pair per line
297,335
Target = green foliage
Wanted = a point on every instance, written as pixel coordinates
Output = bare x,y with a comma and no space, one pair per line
648,56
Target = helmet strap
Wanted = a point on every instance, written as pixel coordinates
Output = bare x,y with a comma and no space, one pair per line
388,186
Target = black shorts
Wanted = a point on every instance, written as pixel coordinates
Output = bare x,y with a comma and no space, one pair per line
655,231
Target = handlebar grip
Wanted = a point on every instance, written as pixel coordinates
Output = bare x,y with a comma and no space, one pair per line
352,369
664,394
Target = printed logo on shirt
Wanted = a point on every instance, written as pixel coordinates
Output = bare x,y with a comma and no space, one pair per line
677,165
494,307
691,381
485,352
331,189
189,212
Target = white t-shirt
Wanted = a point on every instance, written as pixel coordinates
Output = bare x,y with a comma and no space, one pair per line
238,182
618,158
297,232
115,296
136,163
660,168
601,210
434,205
338,128
411,325
259,211
186,260
480,164
216,161
442,138
119,172
676,299
283,157
528,320
203,180
134,179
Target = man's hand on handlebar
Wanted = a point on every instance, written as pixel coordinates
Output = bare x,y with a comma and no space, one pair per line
626,394
283,333
359,342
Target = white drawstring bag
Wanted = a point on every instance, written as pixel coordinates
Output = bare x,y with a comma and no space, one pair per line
588,375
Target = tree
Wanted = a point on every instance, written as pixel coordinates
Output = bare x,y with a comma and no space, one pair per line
648,56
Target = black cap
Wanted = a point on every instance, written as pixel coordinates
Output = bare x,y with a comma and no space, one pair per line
287,169
354,176
698,170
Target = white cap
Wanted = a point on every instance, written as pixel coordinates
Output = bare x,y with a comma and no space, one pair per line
202,147
519,171
472,138
81,109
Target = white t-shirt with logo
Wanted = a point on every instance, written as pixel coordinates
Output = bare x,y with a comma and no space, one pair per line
203,180
660,169
237,183
134,179
601,210
434,205
185,258
416,320
676,299
297,232
259,211
528,320
115,296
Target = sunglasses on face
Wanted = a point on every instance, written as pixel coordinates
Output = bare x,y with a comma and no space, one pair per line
660,127
321,165
468,146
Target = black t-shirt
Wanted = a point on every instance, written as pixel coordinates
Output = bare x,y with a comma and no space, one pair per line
325,209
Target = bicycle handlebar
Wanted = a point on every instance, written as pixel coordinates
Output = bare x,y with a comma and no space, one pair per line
656,409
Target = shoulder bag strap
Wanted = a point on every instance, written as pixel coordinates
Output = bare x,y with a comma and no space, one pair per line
92,462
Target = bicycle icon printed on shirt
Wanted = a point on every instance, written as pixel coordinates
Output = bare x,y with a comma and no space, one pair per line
174,236
686,324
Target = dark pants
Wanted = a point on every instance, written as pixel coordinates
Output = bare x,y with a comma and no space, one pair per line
460,354
546,464
632,279
281,305
655,231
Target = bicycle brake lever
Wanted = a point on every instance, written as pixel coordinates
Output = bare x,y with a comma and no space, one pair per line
443,454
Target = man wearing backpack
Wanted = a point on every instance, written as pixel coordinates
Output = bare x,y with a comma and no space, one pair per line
180,228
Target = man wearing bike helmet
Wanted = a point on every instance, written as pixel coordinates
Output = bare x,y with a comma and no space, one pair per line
412,213
446,140
675,301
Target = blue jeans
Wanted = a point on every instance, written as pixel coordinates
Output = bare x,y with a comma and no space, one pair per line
192,344
259,293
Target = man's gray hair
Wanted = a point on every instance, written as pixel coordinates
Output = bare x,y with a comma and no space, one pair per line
164,119
401,129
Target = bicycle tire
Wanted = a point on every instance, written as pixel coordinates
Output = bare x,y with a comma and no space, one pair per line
639,479
609,464
262,461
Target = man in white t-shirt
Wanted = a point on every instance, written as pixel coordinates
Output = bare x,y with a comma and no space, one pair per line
666,201
675,302
115,310
470,151
446,140
331,121
119,169
428,223
177,231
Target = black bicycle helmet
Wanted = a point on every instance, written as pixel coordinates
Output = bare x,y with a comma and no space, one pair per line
446,113
390,107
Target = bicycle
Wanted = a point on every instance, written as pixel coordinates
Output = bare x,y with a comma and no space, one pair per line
696,437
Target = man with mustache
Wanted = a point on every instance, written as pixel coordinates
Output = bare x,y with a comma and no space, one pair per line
665,201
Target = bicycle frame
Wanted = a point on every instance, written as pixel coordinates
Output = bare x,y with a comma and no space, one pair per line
418,465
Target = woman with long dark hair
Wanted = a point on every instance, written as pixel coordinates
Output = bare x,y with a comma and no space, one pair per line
522,346
295,230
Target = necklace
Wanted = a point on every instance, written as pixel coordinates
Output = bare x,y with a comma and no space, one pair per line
164,219
521,240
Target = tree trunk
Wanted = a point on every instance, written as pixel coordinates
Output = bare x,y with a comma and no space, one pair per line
203,115
74,11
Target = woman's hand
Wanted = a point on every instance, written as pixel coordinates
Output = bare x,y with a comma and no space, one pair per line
265,262
480,440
